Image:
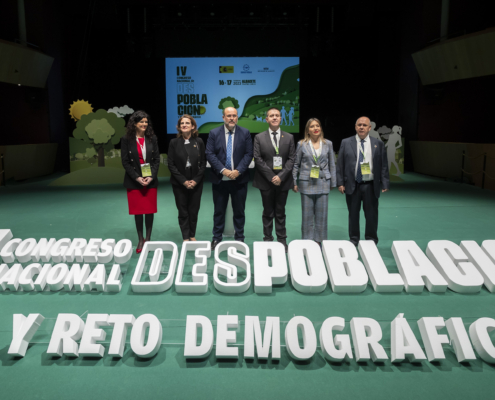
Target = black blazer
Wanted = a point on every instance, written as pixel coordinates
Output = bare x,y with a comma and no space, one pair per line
130,161
346,165
177,158
263,159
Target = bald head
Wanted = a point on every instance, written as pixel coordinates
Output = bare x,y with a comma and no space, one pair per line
363,126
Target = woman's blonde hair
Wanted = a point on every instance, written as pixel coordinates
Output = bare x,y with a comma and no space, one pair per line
306,130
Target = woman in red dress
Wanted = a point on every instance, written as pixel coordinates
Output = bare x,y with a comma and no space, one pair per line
141,159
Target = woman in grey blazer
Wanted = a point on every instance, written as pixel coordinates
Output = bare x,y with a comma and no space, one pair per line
315,165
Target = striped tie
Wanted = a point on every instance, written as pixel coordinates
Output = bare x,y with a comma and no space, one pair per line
228,162
359,175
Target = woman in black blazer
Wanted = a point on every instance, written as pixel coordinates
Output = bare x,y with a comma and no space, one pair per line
187,163
141,160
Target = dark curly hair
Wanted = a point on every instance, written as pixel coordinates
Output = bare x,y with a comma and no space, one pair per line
131,125
194,130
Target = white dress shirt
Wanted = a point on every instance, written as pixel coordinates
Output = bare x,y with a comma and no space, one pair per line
368,157
226,178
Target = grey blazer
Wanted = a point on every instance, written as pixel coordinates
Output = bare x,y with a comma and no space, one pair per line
302,167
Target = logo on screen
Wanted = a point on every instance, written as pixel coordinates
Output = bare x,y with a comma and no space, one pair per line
246,69
226,70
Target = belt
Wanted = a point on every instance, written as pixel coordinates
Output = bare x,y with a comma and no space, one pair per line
364,182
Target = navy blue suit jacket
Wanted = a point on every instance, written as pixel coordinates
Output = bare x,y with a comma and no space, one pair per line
216,153
346,165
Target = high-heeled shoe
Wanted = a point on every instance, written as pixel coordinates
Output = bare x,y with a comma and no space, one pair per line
139,250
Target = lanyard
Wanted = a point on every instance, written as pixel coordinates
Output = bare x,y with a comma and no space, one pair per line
272,137
314,153
143,148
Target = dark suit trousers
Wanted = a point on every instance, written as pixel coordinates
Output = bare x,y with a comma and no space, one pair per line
221,193
363,193
274,200
188,202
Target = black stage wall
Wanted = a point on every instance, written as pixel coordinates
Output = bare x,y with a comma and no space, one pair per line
355,60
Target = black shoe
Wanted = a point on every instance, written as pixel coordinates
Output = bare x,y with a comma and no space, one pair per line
214,244
265,239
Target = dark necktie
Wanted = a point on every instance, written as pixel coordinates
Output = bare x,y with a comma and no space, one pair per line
359,175
228,162
275,139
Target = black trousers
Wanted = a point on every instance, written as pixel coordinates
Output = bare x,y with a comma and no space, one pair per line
221,193
363,193
188,202
274,201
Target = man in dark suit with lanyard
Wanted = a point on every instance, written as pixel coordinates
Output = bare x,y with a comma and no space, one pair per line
274,155
229,150
362,174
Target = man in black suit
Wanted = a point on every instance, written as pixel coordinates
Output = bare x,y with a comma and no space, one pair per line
229,150
362,174
274,155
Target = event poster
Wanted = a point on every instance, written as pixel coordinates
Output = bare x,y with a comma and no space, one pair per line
203,87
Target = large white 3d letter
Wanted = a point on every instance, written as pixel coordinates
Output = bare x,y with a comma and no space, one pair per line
24,330
266,275
403,342
224,336
155,286
138,334
461,275
483,258
416,269
429,326
92,333
199,284
5,236
122,251
68,328
9,278
366,335
238,257
252,336
460,340
338,348
382,280
307,269
480,336
191,348
308,336
347,274
26,277
23,251
120,322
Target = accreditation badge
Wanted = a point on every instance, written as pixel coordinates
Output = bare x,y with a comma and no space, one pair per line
365,168
315,172
145,170
277,162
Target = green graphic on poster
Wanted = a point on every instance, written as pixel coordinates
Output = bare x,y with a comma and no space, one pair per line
253,115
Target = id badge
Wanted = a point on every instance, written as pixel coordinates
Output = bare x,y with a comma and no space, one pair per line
145,170
315,172
365,168
277,162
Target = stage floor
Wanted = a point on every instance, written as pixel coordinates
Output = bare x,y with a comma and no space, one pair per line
420,208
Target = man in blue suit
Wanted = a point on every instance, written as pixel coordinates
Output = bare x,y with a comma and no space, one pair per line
229,150
362,174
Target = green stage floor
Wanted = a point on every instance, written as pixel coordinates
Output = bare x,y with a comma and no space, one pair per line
420,208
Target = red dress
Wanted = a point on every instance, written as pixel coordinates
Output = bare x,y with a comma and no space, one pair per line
141,201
